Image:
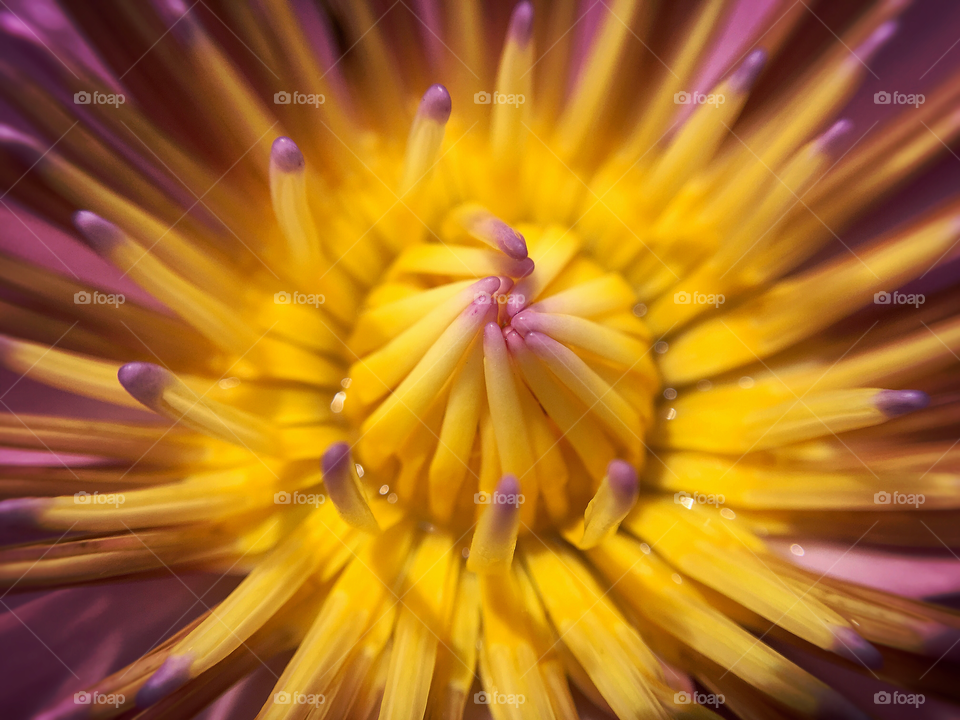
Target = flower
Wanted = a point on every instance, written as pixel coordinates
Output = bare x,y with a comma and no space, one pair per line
509,384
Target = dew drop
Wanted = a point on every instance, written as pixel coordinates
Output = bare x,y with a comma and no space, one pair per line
229,383
639,309
359,469
392,498
465,552
728,514
661,347
670,394
796,550
677,579
336,405
671,414
345,383
704,385
645,548
745,382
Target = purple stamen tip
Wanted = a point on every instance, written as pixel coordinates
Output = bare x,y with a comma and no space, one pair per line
172,675
101,235
509,485
524,267
510,241
894,403
832,138
745,75
436,104
335,460
623,478
525,322
24,147
286,156
521,23
853,647
145,381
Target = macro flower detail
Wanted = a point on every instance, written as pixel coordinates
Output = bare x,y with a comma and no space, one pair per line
491,372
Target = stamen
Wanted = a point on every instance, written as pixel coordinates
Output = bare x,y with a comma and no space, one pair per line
426,136
514,78
495,538
613,500
480,223
345,489
164,393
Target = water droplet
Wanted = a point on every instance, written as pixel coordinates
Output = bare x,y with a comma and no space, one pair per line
670,394
745,382
704,385
728,513
392,498
359,469
796,550
639,309
345,383
645,548
229,383
687,502
384,489
465,552
661,347
677,579
671,414
336,404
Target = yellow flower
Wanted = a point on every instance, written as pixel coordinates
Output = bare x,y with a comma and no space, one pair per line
515,391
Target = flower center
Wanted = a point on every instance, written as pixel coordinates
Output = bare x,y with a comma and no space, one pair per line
498,350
